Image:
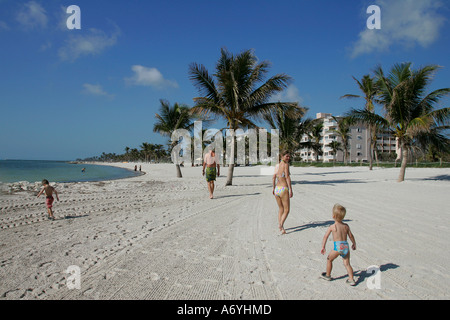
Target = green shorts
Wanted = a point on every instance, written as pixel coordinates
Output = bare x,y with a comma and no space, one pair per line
210,174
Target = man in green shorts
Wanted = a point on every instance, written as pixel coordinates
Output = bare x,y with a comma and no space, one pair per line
210,163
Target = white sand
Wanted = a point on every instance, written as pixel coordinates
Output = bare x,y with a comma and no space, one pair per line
160,237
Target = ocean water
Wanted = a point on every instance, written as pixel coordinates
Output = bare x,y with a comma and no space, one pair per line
58,171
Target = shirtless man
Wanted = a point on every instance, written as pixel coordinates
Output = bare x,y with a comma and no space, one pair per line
210,163
49,190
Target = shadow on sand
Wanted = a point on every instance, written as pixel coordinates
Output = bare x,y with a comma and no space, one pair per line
317,224
237,195
328,182
440,177
74,217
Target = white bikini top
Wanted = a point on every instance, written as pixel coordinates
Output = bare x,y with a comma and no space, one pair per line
277,168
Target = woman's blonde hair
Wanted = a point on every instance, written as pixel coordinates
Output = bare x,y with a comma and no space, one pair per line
339,212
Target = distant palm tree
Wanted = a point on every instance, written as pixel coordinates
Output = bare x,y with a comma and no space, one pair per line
410,112
146,149
290,126
436,144
127,151
237,92
159,152
172,118
343,132
315,136
369,89
134,154
335,147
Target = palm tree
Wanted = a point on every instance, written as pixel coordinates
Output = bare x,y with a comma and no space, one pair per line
134,154
409,111
335,147
147,150
437,144
291,128
158,151
343,131
369,89
172,118
315,135
127,151
237,93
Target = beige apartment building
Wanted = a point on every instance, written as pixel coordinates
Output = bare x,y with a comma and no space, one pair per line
358,142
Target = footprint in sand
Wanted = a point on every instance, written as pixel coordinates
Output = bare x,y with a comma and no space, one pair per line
154,276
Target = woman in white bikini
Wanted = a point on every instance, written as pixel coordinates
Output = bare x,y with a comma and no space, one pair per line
282,189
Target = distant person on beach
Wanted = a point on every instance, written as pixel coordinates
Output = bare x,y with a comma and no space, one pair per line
282,189
340,232
210,163
135,168
49,191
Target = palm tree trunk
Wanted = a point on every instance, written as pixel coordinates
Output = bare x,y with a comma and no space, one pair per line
230,175
179,175
376,153
370,147
231,163
401,176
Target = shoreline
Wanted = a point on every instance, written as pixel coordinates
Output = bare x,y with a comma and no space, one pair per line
25,185
159,237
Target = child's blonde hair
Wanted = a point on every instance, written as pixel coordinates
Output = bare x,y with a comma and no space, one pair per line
339,212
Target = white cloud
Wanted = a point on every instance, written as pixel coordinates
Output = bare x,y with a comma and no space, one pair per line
32,15
3,26
46,46
290,94
96,90
403,22
152,77
92,42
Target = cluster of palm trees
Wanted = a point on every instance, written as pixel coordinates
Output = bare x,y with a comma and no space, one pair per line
148,152
236,92
409,112
239,93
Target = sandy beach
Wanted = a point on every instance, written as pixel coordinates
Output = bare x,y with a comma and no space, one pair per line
160,237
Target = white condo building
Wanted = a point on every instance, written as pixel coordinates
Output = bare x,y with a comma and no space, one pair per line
358,142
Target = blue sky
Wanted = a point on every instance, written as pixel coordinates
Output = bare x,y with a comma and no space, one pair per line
68,94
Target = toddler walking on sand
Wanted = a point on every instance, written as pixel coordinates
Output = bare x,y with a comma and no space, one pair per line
340,231
49,190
